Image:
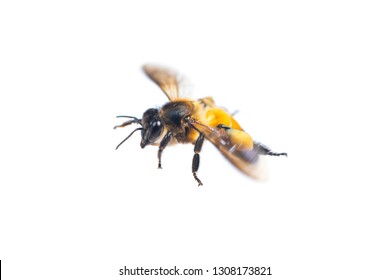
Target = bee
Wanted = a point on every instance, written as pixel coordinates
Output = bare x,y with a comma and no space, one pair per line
185,120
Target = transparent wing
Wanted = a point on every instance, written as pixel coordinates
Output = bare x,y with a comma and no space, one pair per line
169,82
250,162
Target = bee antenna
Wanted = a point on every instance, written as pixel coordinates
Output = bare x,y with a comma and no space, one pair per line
139,128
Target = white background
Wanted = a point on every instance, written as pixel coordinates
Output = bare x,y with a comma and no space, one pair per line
308,78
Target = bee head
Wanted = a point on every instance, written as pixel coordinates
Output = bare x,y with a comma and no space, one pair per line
152,127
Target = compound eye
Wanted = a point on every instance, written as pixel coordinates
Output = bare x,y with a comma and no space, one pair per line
155,130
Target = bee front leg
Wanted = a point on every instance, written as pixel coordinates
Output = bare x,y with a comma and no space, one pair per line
164,142
129,122
196,158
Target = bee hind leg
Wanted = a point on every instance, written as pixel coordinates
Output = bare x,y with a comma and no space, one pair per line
264,150
164,142
196,158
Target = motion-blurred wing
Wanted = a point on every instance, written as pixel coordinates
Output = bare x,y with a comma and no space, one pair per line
166,79
249,162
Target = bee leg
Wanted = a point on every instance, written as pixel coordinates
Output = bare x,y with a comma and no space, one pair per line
131,121
164,142
264,150
196,158
224,126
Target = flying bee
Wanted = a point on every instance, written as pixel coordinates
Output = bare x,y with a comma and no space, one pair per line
186,120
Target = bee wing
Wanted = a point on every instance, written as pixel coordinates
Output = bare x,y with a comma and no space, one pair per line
250,162
169,82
